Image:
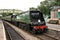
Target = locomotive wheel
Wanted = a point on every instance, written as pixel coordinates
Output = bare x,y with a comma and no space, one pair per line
33,31
25,27
45,30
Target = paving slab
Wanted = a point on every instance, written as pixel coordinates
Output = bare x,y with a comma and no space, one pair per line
2,31
53,26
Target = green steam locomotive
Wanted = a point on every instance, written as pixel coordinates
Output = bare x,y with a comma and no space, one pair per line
30,20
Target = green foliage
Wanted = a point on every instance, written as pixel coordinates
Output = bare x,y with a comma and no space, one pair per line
6,14
45,6
57,2
32,8
43,9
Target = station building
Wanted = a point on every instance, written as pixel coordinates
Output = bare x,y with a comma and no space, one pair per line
55,13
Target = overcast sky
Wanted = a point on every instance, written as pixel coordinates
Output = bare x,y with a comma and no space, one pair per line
19,4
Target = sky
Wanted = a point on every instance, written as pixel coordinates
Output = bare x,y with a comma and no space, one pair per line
19,4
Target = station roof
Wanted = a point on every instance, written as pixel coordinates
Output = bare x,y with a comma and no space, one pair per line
55,7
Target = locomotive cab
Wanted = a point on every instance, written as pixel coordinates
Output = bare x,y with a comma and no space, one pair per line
37,21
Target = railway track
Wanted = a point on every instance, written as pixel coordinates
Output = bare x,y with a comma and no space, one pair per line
43,36
46,37
12,34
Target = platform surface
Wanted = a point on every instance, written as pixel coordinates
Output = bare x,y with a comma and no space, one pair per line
2,31
53,26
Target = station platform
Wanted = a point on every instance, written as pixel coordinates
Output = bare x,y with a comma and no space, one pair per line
53,26
2,31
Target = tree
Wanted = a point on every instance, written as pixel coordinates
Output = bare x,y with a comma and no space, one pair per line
46,5
32,8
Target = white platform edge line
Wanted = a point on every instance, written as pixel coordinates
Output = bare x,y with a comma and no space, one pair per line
4,32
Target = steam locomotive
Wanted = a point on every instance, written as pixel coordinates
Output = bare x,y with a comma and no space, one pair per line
32,21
